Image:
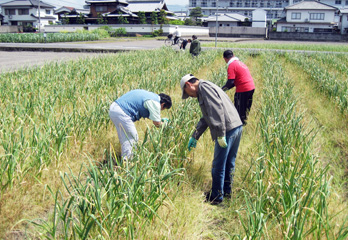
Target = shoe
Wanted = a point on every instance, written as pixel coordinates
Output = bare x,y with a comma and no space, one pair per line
212,201
227,195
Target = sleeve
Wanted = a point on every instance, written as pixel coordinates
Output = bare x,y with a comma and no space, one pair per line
228,85
200,128
215,111
154,109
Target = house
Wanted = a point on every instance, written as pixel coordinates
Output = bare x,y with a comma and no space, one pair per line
28,13
274,8
259,18
150,6
226,20
113,10
308,16
65,14
344,21
181,15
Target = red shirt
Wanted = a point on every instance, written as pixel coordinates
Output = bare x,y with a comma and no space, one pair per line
238,71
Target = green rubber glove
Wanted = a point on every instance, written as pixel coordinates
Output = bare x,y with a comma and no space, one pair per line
192,143
164,120
222,142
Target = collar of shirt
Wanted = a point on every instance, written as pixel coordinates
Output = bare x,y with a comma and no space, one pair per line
232,60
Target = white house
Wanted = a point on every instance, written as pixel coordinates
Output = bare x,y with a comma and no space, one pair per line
344,21
259,18
225,20
28,13
308,16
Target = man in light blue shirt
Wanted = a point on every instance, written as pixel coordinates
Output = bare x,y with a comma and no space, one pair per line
130,108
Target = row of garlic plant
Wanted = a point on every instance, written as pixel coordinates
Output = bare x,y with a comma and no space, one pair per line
43,109
324,78
107,201
48,37
290,186
335,62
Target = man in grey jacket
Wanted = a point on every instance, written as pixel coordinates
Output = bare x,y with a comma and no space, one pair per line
221,116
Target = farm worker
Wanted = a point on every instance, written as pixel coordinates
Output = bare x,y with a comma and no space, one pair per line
130,108
220,115
177,34
184,43
195,48
238,75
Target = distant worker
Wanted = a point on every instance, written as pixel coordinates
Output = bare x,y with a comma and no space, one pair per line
132,106
184,43
238,75
195,48
177,34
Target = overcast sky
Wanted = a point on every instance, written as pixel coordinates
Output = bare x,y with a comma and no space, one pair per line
80,3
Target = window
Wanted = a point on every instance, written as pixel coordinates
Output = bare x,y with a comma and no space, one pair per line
295,15
254,4
10,11
48,11
346,2
213,4
194,3
338,2
204,3
262,4
278,4
316,16
247,3
231,4
239,3
101,8
23,11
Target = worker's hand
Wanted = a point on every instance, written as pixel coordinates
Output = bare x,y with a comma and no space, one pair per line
222,142
192,143
164,120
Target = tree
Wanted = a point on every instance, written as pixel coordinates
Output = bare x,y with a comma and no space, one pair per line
122,20
196,13
163,17
154,19
142,17
65,20
80,19
190,22
101,19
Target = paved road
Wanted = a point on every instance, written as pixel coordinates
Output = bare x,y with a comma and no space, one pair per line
14,56
11,61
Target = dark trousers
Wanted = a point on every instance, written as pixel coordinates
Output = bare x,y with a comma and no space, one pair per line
176,40
243,102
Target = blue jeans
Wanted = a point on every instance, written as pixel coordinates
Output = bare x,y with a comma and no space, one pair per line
224,163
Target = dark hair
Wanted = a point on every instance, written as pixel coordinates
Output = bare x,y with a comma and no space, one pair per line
194,37
228,54
166,100
189,40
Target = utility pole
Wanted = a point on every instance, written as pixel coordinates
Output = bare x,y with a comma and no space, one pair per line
216,27
39,17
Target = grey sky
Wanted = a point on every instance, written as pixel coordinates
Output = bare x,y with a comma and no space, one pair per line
80,3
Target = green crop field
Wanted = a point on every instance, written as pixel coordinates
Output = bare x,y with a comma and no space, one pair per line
58,150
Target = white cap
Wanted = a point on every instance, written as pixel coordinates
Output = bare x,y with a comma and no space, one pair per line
184,79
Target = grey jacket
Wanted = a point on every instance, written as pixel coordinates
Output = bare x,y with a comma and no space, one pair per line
219,113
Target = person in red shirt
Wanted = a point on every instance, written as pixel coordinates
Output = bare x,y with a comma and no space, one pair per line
238,75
